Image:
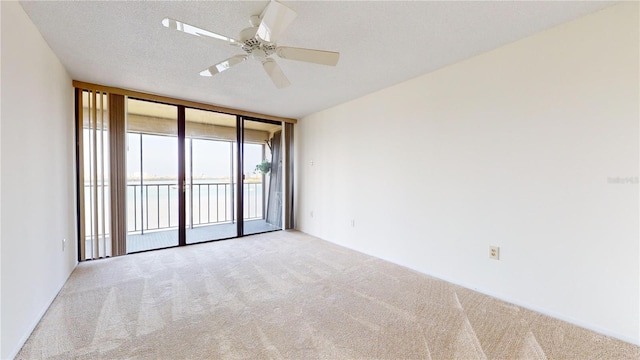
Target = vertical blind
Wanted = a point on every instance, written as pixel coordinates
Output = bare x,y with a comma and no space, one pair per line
288,176
118,172
100,156
93,143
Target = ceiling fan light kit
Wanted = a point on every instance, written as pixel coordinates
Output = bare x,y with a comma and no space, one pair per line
259,42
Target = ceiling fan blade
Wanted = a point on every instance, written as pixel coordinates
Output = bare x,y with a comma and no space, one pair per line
276,18
275,73
224,65
193,30
321,57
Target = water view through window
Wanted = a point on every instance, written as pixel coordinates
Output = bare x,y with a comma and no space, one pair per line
210,176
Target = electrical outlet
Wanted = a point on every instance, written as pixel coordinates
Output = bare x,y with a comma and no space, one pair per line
494,252
64,244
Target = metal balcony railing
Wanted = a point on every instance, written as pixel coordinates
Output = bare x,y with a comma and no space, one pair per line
154,206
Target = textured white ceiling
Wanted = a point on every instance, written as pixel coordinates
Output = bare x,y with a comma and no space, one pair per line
382,43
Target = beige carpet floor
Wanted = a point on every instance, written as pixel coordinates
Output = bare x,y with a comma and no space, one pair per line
289,295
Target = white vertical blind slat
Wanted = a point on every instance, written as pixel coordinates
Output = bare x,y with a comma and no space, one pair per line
103,240
94,180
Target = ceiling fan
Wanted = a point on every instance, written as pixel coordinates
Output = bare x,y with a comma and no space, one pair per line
260,42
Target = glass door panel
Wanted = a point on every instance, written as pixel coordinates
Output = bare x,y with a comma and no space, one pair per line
152,176
210,141
262,169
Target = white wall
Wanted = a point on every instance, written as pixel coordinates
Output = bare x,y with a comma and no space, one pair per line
37,177
515,148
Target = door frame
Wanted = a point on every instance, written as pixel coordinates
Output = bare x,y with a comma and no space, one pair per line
120,209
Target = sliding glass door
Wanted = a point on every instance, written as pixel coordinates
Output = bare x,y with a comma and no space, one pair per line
262,165
214,197
152,176
210,150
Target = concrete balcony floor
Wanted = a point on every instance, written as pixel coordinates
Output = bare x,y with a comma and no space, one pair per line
167,238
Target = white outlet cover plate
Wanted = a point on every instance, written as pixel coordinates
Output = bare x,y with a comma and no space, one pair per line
494,252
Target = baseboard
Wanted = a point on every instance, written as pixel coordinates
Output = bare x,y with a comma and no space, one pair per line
43,311
522,304
539,309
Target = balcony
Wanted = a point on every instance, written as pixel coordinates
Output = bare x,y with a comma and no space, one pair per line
152,213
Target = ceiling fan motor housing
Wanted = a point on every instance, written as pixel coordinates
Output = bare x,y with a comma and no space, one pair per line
251,43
